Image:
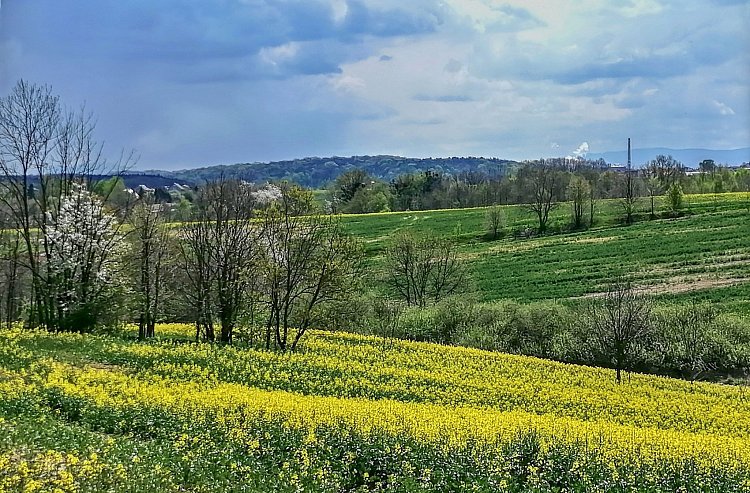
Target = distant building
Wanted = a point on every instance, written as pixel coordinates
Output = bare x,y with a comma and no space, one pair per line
143,189
618,168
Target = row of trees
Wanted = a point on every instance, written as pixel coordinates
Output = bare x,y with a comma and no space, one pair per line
541,183
72,262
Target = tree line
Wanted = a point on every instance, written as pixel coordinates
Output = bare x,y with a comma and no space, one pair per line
73,260
542,183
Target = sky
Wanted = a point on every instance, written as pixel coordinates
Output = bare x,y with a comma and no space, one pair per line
189,83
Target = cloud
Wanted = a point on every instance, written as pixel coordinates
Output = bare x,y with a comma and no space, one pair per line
638,8
447,98
191,82
595,43
723,108
366,19
180,34
453,66
511,19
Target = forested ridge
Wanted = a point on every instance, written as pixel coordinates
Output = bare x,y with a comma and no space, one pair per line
315,172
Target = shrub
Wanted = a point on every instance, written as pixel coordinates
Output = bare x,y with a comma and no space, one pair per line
675,198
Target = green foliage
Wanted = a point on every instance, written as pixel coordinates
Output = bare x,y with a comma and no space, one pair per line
316,172
537,329
675,198
356,192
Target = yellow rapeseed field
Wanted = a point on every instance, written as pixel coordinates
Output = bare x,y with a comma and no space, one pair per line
419,395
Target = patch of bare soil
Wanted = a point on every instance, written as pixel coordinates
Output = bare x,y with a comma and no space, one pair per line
686,284
517,246
681,284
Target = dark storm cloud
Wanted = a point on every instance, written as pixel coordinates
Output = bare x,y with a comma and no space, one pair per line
188,32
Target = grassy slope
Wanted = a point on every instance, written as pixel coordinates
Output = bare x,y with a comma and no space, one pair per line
705,255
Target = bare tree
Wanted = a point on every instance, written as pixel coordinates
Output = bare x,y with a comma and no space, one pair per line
195,254
630,195
653,187
424,269
12,278
149,241
620,322
543,182
494,219
593,192
579,190
220,251
309,263
235,250
666,169
691,328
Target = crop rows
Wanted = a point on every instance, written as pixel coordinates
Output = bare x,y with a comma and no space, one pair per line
705,255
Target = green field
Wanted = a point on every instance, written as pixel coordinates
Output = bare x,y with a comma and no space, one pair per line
703,255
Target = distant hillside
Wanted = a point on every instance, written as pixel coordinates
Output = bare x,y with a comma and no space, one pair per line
688,157
316,172
157,179
133,179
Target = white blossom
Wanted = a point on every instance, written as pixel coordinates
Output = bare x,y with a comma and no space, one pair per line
268,194
81,249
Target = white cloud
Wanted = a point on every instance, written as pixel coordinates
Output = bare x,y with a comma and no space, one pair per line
348,83
723,108
636,8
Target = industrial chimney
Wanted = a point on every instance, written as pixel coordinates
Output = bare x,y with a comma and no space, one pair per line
628,154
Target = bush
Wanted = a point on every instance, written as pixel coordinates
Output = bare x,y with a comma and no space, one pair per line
675,198
416,324
693,339
557,331
539,329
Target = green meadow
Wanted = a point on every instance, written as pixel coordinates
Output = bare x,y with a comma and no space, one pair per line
704,254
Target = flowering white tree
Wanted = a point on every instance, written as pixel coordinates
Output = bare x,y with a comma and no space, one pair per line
45,150
82,250
267,195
